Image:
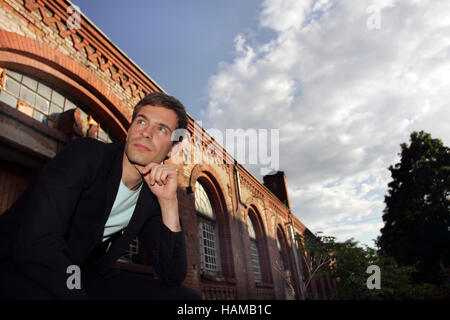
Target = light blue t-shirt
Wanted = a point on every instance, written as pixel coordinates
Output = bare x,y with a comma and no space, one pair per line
122,210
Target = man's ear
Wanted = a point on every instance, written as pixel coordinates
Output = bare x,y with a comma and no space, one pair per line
174,149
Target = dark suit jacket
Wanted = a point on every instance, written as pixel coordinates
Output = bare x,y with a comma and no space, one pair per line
60,219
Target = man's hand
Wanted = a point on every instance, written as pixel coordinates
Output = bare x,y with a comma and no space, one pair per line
162,180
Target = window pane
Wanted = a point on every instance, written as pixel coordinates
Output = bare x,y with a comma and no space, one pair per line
39,116
209,248
28,96
12,86
44,91
251,229
54,110
14,75
8,99
255,261
69,105
42,104
202,201
57,99
30,83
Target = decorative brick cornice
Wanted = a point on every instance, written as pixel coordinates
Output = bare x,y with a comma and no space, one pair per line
254,188
298,226
258,190
204,141
278,209
99,49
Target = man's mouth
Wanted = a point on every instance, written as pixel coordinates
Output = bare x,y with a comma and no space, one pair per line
142,147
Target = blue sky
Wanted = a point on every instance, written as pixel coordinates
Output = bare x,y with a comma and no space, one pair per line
344,82
179,44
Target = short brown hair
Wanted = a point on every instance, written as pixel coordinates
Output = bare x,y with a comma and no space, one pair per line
164,100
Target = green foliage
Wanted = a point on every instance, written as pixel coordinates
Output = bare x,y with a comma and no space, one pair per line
347,262
417,213
350,265
315,252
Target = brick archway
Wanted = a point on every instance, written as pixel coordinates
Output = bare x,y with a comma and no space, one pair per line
43,62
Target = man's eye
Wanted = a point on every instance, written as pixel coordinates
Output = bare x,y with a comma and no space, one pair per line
140,121
162,129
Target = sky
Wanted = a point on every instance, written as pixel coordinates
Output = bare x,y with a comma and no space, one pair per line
343,82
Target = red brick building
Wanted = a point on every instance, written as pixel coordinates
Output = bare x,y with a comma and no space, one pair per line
61,78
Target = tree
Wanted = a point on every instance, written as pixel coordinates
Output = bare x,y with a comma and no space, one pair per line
349,268
316,252
417,213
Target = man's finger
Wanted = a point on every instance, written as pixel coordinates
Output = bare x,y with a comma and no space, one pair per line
164,176
150,166
158,175
145,169
152,175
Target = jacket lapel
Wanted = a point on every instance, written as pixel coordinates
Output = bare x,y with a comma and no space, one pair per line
115,175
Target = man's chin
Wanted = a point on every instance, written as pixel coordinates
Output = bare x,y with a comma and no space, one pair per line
139,159
139,162
136,160
143,163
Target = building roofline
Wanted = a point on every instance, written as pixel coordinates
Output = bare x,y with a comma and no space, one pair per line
114,45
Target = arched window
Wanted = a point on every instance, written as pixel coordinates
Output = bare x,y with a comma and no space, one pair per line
281,251
285,272
208,231
254,253
42,102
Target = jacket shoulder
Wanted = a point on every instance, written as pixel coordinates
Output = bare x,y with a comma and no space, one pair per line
92,146
81,157
85,143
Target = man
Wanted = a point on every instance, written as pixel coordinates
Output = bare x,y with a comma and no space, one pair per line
88,204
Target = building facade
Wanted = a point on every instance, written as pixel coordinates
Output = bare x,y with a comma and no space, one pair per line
61,79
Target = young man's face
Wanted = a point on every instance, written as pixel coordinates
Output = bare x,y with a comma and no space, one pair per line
149,136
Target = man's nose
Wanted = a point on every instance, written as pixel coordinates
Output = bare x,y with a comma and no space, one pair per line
148,132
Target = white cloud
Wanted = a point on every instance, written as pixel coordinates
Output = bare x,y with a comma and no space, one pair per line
363,233
343,96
